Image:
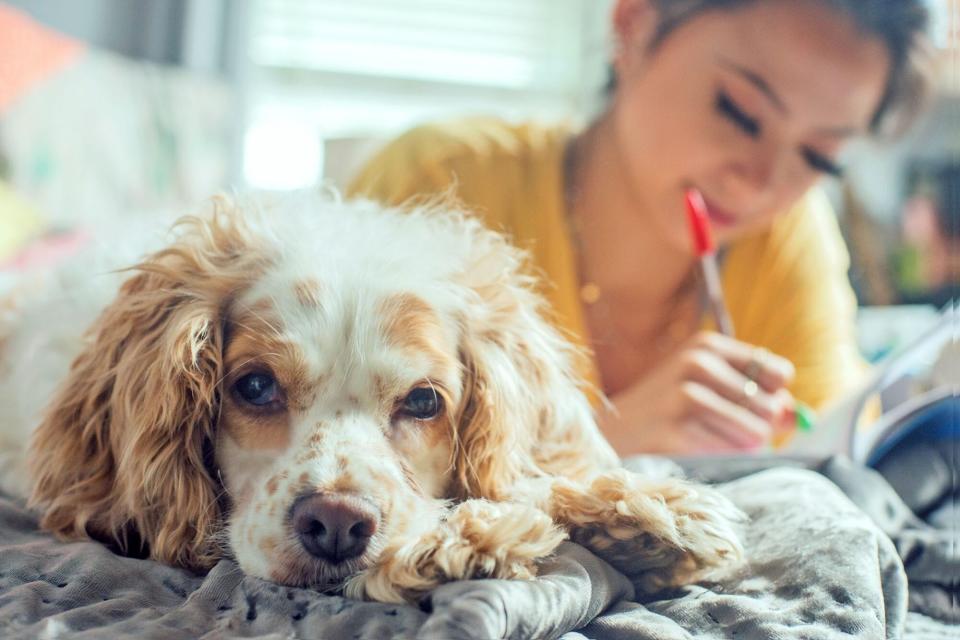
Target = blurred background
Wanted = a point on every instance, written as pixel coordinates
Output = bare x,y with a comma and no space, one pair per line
121,108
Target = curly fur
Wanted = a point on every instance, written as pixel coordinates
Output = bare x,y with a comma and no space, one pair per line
478,539
120,448
147,446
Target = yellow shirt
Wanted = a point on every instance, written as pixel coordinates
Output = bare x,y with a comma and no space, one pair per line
786,288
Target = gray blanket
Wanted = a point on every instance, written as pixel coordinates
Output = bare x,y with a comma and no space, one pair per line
818,567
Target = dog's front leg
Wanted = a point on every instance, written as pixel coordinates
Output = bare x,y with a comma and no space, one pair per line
659,532
477,539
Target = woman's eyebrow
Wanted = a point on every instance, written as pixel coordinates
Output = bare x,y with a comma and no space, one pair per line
756,80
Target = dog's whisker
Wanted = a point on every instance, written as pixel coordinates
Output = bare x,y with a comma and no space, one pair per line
240,365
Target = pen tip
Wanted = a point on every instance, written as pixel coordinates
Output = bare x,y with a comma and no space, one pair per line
699,222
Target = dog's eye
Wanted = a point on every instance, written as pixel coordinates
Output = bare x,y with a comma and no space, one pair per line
422,403
257,388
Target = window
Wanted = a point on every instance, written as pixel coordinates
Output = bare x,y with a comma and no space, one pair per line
507,44
323,71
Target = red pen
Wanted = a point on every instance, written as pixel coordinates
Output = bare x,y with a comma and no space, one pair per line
799,414
706,251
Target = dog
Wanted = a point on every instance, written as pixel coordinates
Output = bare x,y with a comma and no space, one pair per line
337,395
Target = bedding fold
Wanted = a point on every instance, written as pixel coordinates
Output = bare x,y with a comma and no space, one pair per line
817,567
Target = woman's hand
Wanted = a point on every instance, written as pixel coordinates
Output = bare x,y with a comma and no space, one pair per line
714,394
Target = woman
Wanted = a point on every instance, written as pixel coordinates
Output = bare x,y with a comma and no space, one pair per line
748,101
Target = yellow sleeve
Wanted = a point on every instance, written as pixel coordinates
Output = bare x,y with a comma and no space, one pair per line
789,292
400,170
430,161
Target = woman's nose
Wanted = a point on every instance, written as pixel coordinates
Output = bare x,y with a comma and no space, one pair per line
749,178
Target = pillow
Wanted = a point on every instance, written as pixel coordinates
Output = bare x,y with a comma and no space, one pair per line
29,53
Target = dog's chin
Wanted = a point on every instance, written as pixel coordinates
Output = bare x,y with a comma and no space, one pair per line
305,571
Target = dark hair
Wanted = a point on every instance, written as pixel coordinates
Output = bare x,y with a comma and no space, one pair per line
900,24
947,201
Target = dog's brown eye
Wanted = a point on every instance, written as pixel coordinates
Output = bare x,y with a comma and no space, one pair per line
258,389
422,403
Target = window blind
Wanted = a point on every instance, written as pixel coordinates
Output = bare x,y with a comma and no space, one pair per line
509,44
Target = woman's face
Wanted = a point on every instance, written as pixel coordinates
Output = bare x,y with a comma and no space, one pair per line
750,106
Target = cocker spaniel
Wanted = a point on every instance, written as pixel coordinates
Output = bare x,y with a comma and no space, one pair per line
339,396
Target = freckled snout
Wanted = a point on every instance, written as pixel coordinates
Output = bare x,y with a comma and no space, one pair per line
334,527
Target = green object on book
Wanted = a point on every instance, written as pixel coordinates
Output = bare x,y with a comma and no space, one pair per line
805,417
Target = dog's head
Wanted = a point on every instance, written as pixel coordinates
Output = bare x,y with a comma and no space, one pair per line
298,385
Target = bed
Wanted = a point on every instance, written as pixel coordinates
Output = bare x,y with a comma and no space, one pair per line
824,547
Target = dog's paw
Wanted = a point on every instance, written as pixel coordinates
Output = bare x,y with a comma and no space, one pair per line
482,539
661,533
478,539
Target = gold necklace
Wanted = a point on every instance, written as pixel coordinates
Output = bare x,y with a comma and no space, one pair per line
589,291
677,325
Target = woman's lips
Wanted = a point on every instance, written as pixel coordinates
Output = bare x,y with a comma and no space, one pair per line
719,216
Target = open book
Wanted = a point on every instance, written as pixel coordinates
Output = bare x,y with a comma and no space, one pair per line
929,366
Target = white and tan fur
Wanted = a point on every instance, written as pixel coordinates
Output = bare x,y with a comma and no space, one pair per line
144,442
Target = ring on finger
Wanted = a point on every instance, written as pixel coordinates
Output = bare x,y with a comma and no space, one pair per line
755,366
750,389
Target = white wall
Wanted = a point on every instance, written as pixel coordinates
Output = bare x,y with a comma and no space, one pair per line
878,170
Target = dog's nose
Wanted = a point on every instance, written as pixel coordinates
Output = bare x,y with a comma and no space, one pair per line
334,527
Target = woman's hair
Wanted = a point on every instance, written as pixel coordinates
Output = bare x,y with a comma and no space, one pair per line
900,24
947,201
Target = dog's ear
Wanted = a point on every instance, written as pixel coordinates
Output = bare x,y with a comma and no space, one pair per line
121,449
525,410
